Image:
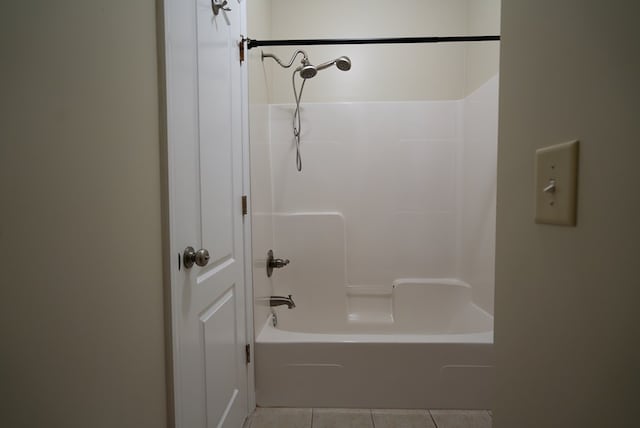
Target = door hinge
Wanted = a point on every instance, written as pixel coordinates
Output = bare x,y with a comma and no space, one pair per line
247,352
245,209
241,48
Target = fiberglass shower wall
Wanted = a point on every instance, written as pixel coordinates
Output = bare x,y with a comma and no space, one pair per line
259,26
398,153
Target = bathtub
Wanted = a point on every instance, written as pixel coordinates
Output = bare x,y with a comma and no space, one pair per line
420,343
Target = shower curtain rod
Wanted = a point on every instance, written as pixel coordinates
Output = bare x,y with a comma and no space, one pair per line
251,43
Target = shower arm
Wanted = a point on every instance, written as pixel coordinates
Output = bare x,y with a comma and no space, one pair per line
305,58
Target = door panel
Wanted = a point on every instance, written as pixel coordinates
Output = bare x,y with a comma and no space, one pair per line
215,118
219,345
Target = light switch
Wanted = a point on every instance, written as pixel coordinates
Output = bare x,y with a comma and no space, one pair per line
557,184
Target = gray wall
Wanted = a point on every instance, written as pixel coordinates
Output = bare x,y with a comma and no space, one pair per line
567,326
81,307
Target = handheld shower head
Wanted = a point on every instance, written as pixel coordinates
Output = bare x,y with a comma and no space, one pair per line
343,63
307,71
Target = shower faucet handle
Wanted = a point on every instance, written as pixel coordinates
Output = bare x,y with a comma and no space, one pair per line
280,263
273,263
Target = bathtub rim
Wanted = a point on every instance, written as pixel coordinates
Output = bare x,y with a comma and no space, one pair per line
270,334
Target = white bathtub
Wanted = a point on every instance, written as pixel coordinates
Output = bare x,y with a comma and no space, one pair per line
420,343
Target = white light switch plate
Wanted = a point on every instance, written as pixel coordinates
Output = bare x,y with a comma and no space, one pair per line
557,184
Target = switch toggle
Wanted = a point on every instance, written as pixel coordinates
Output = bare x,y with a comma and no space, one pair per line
551,188
557,184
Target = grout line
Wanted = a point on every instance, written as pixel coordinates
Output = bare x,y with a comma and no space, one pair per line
432,418
427,414
373,421
311,423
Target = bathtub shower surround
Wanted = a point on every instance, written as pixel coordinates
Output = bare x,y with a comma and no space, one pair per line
477,197
389,229
414,183
389,169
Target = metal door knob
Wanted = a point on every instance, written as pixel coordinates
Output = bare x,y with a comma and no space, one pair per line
191,257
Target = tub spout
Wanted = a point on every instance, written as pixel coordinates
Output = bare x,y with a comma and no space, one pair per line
281,300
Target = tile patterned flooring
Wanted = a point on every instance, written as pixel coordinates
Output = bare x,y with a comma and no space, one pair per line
368,418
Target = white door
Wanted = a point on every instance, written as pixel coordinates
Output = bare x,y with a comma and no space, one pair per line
204,122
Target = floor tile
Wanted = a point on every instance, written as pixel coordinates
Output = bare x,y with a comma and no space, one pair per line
342,418
281,418
402,419
461,418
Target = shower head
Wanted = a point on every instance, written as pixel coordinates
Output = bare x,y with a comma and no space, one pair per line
307,71
343,63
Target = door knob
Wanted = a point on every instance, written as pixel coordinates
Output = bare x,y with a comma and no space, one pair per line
191,256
